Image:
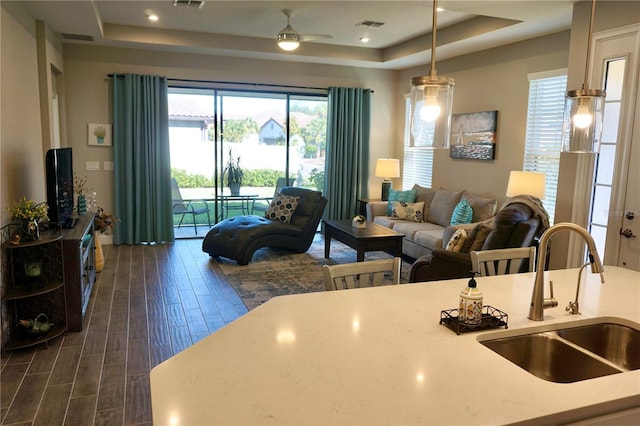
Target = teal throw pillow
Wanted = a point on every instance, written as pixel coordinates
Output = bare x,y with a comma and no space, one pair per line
462,213
408,196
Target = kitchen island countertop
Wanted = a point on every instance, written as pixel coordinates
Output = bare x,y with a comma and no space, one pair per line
380,356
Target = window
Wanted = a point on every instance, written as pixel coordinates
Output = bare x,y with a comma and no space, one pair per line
417,164
544,130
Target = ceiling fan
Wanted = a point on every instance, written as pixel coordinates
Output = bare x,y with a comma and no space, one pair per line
289,39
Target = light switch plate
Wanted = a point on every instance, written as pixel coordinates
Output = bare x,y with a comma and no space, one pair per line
107,165
93,165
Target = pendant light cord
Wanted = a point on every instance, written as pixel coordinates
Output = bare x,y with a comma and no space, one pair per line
434,24
586,65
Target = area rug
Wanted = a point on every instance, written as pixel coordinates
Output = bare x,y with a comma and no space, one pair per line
276,272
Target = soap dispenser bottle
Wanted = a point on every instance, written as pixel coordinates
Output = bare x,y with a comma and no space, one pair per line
470,312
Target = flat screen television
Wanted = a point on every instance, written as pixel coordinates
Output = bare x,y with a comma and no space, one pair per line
59,164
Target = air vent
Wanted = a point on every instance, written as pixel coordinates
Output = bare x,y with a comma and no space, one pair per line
198,4
370,24
76,37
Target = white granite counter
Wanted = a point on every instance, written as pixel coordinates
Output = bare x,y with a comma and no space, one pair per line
380,356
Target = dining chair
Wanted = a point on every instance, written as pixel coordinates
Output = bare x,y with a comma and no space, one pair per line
361,274
184,207
502,261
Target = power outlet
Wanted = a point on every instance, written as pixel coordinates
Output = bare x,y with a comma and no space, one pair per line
93,165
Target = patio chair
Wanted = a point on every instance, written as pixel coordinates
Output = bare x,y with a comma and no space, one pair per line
184,207
263,203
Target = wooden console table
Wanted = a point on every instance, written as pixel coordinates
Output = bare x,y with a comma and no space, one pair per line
78,245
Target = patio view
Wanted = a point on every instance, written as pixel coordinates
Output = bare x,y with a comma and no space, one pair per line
274,139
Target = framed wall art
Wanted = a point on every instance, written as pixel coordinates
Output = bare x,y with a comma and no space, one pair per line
473,135
99,134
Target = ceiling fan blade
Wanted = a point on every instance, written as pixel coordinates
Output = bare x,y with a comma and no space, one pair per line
310,37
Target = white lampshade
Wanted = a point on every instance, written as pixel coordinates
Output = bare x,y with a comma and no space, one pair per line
526,183
388,168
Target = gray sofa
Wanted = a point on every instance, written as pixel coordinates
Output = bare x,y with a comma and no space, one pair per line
421,238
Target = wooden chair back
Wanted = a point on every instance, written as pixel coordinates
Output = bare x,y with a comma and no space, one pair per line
361,274
502,261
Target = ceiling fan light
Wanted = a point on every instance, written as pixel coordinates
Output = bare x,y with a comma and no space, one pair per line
288,41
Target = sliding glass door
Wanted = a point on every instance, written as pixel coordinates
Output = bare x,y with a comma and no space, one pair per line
275,139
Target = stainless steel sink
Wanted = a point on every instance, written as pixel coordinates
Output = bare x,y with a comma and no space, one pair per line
566,353
618,343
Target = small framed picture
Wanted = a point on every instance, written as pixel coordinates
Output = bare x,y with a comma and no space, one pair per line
99,134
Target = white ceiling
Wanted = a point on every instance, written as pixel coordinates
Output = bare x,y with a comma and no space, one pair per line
248,28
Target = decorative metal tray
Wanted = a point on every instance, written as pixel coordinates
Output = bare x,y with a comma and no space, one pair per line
491,318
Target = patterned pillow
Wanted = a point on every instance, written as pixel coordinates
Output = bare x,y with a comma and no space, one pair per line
457,240
462,213
408,196
282,208
408,211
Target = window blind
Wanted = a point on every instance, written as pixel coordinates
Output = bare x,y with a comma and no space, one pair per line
417,164
544,132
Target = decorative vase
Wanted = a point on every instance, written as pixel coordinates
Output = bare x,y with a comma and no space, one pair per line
234,187
99,254
357,224
82,204
29,230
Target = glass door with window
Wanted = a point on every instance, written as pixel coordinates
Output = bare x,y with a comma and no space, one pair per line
231,151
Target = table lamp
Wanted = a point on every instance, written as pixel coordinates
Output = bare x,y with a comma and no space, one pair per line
526,183
387,168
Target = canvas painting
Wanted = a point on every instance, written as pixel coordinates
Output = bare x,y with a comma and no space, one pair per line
99,134
473,135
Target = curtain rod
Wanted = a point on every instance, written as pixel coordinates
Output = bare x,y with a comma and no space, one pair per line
182,80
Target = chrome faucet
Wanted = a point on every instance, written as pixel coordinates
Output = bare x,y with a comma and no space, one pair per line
538,301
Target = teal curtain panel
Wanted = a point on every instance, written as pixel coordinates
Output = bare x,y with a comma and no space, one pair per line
142,171
346,166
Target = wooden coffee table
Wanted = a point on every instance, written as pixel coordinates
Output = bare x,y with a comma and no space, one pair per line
371,238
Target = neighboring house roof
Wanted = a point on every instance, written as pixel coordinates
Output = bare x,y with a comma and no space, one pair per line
183,109
271,120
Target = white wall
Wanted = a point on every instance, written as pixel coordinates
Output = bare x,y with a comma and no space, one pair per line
22,161
494,79
88,94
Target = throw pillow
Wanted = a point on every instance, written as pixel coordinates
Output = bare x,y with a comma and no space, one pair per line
483,208
463,213
408,196
476,238
457,240
425,195
407,211
282,208
441,208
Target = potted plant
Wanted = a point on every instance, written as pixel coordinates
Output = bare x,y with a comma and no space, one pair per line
234,174
29,214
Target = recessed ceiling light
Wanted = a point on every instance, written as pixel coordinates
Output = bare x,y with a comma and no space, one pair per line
439,9
150,15
365,39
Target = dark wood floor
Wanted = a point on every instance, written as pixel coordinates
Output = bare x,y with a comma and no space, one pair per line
149,303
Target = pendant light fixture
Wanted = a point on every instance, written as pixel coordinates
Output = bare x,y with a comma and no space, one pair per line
583,110
431,103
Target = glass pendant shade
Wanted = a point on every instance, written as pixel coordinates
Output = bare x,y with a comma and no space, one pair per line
431,106
582,127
